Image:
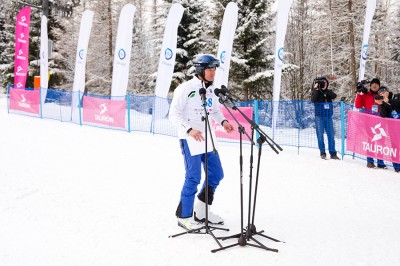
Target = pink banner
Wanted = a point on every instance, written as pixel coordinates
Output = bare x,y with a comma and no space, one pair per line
21,60
25,100
104,111
373,136
220,131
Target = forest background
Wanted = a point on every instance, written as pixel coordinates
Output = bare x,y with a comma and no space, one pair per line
323,39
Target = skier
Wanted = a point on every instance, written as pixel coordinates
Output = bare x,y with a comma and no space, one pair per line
187,112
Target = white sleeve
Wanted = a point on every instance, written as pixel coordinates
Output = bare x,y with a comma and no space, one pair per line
216,113
177,108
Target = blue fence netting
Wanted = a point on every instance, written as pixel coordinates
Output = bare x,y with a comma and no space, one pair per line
295,122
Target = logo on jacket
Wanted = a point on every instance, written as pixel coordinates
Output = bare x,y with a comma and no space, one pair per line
378,132
192,94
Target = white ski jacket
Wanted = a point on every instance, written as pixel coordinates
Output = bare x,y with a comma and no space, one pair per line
186,110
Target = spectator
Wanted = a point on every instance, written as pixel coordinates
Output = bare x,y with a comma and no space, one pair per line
322,98
365,99
389,107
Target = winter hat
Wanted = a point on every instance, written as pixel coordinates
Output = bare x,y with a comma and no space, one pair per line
382,89
375,80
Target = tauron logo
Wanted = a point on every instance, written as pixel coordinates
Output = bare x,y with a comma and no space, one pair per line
102,116
378,132
103,108
23,103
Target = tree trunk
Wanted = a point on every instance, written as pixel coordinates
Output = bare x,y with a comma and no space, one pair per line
110,36
352,50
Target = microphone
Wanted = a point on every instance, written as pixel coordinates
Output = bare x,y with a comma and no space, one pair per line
202,93
228,95
220,93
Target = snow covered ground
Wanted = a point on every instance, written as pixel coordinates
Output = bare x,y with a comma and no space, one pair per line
72,195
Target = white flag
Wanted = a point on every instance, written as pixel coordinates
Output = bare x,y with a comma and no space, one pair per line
371,6
281,26
122,53
166,63
44,59
81,53
227,34
80,63
168,51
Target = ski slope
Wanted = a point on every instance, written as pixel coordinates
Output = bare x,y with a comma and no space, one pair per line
80,195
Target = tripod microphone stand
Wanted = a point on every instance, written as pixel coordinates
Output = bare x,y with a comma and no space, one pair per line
251,228
208,229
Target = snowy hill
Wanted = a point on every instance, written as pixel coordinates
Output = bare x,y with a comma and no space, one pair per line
72,195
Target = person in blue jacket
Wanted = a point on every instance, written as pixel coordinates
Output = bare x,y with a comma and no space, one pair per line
322,98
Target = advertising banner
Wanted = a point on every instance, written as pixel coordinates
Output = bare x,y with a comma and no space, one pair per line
220,131
104,111
122,54
21,60
371,6
228,29
373,136
25,100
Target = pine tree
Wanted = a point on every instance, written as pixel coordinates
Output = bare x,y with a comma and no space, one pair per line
191,39
8,42
3,42
57,62
142,64
251,68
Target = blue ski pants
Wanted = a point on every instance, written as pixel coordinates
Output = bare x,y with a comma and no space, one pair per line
193,165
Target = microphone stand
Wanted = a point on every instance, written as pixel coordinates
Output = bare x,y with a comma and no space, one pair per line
208,229
251,228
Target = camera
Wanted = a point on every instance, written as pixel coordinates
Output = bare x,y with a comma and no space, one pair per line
360,87
378,97
320,82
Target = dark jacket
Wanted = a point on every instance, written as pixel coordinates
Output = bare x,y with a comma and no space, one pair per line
322,100
386,109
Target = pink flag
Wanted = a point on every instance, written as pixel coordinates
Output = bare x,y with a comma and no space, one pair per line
220,131
373,136
25,100
21,60
104,111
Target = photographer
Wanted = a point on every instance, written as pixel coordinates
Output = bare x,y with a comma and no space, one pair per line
365,99
322,98
389,103
389,107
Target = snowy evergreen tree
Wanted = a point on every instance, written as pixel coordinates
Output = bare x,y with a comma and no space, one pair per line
191,39
8,42
142,64
3,43
252,67
57,60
